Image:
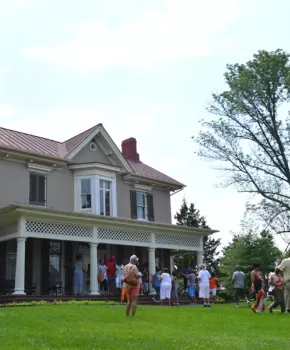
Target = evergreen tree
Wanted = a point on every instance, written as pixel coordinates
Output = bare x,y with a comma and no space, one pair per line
189,216
246,250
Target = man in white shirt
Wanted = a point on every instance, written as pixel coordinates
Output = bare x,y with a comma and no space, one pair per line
284,267
204,290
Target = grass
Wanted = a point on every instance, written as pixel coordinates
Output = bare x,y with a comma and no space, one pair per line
106,327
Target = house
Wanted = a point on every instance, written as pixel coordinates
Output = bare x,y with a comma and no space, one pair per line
84,195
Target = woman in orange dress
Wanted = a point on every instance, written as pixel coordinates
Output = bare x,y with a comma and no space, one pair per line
132,273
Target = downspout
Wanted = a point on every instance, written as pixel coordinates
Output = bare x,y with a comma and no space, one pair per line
177,191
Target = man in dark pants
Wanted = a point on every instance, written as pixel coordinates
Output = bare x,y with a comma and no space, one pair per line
240,283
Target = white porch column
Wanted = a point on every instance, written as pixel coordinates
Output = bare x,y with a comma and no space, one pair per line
20,267
199,259
94,286
171,263
152,268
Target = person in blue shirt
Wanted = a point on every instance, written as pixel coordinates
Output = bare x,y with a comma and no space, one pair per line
156,283
185,273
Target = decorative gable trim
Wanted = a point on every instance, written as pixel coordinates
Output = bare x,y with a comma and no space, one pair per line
115,149
86,141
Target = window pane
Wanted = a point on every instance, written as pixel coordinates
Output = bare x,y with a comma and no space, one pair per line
107,185
86,186
102,206
141,213
141,199
33,188
108,203
86,201
41,189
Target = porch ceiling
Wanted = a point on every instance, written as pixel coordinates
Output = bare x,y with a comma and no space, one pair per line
15,211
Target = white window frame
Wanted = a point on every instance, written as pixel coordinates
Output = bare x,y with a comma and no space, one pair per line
95,190
104,190
146,208
80,195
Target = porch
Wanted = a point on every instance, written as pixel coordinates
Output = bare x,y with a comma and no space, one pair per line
38,247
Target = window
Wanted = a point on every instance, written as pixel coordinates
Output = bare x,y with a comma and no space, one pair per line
86,195
142,206
105,197
37,189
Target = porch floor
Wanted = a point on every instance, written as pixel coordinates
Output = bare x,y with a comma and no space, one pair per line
144,299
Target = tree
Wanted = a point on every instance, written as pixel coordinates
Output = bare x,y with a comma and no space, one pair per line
189,216
246,250
250,138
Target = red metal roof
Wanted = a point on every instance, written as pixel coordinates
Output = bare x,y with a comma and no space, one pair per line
15,140
144,170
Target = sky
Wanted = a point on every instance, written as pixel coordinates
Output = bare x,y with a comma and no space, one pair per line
145,69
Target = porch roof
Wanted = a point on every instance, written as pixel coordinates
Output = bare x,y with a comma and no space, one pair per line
17,210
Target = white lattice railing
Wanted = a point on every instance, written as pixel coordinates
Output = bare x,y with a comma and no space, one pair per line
122,235
177,241
59,229
8,228
76,232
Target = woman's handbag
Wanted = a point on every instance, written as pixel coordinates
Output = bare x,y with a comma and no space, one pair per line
131,279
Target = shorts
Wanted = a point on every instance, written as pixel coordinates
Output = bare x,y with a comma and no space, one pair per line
165,292
204,292
213,291
191,292
174,291
133,291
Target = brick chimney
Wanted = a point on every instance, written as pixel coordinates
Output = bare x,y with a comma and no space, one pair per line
129,149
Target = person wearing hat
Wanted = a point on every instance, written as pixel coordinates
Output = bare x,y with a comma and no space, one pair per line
239,281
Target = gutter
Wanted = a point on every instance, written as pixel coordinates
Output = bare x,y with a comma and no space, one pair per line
177,191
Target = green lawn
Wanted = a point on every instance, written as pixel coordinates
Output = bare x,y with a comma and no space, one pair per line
106,327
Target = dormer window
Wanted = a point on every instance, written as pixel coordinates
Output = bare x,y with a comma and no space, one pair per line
96,194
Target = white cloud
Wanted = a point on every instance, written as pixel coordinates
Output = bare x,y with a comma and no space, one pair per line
182,29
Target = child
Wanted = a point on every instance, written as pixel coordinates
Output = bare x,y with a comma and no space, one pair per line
124,293
213,285
191,286
174,290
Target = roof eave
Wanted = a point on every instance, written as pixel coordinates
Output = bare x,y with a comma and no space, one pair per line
174,186
32,155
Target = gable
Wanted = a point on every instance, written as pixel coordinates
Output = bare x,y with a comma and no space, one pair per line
87,155
105,143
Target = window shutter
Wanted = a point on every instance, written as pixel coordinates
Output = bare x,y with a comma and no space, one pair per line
150,207
133,198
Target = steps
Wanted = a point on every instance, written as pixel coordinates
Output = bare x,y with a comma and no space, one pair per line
143,299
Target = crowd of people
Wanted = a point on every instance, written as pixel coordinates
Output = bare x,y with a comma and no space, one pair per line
130,281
